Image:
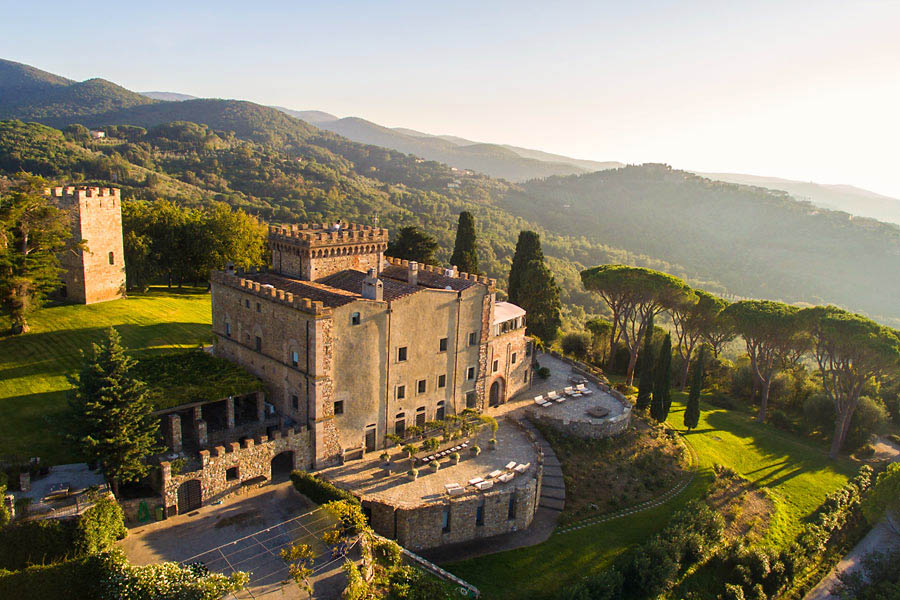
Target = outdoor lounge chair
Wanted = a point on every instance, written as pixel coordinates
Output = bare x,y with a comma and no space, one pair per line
522,468
553,396
494,474
457,491
539,400
451,486
506,477
475,480
584,390
485,485
510,465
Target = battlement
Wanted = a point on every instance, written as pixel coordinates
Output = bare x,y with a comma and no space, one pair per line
271,294
309,235
72,193
446,272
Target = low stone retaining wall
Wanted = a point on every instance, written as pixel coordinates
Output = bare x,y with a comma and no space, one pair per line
225,470
588,427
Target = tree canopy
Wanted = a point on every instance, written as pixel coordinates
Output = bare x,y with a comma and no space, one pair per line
411,243
465,249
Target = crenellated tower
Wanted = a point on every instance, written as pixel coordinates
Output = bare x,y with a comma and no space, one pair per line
97,273
312,251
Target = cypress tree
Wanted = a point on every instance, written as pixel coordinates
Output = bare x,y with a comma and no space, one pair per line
528,249
465,250
692,411
662,397
112,418
645,383
539,296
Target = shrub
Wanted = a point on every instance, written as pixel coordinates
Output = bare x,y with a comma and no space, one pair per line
318,490
543,373
99,527
577,344
721,400
356,589
869,419
818,413
780,419
387,552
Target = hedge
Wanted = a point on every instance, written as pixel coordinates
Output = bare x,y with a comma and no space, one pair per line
319,490
53,540
76,579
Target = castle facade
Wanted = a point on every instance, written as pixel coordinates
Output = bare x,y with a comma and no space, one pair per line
356,346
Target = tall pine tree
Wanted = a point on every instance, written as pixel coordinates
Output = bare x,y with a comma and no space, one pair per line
528,249
645,382
465,250
662,395
539,296
692,411
112,419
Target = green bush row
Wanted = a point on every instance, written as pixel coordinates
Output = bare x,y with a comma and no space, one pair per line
319,490
53,540
762,573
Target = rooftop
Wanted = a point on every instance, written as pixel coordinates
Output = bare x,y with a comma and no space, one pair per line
366,478
507,311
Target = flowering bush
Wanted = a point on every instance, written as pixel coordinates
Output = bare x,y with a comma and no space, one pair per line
165,581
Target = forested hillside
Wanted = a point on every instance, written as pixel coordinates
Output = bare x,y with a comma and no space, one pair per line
722,237
755,242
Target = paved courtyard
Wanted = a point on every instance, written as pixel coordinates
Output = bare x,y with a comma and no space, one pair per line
245,533
366,477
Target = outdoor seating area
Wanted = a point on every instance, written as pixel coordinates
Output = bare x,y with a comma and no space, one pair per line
576,391
504,475
443,453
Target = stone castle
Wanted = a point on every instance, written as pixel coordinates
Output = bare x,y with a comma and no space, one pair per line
354,346
97,273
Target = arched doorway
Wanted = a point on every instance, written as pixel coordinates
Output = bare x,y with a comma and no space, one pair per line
282,465
190,496
496,394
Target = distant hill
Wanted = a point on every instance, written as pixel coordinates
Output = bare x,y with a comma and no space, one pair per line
168,96
310,116
724,237
846,198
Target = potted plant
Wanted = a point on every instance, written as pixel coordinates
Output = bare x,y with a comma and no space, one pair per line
455,458
409,449
476,450
385,457
435,465
493,443
413,474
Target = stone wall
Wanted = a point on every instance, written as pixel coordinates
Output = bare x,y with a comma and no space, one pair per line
252,457
592,429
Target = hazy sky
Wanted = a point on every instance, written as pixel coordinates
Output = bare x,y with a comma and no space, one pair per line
806,90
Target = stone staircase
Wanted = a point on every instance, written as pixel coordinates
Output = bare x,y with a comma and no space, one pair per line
553,487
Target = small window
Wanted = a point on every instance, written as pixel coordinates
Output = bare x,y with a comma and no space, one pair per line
515,357
439,413
511,511
246,303
258,344
479,514
227,329
258,307
295,402
473,338
232,474
338,407
470,399
528,349
401,354
442,381
112,258
445,520
470,373
443,345
400,424
495,366
420,386
420,417
295,358
401,392
354,318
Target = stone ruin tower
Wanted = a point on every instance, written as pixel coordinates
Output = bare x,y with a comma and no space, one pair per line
97,273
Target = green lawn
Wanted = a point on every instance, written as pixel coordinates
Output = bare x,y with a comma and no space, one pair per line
34,367
798,475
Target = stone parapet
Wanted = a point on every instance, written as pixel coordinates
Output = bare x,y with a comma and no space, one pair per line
315,235
447,272
271,294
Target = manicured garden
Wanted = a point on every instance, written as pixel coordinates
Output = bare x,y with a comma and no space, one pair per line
34,367
797,474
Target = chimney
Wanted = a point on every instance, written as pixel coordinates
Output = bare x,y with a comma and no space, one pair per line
412,275
229,268
372,287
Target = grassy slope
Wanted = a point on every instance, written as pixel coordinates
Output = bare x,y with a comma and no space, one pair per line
34,367
798,475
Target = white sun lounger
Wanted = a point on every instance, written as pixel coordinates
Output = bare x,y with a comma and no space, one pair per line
555,397
584,391
494,474
506,477
510,465
475,480
451,486
522,468
485,485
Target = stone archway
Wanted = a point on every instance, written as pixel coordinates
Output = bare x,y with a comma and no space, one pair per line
495,397
282,465
190,496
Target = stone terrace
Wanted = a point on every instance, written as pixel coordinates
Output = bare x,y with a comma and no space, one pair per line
366,478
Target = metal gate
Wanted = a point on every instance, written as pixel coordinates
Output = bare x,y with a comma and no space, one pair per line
190,496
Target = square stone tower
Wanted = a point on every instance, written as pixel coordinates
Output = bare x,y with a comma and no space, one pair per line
312,251
97,273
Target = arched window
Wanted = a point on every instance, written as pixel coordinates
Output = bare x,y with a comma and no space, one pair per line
439,413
